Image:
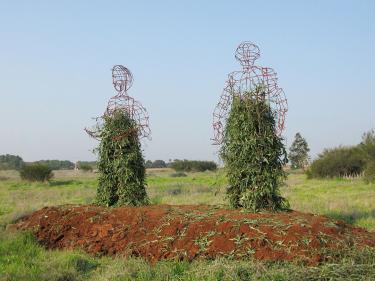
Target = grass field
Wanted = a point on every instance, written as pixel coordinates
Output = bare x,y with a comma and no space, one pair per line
21,258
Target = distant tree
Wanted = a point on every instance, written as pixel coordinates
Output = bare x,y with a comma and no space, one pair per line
368,147
368,144
369,172
159,164
156,164
11,162
299,152
148,164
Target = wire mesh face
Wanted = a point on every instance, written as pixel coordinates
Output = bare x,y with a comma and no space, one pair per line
247,53
122,80
246,81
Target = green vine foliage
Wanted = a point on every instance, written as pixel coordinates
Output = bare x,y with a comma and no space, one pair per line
121,164
254,155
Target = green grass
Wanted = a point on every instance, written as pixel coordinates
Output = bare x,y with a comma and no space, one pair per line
18,198
21,258
350,200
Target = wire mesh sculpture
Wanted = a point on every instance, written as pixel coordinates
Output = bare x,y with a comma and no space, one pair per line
247,80
122,80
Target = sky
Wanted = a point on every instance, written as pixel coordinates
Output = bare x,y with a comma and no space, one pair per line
56,59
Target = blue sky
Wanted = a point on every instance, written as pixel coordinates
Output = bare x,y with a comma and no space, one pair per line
56,59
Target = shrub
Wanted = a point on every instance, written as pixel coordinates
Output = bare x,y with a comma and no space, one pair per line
36,172
193,166
178,175
121,164
338,162
175,191
85,167
253,154
93,164
369,174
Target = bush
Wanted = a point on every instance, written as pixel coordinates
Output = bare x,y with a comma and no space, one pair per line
85,167
178,175
369,174
93,164
36,172
192,166
254,155
175,191
338,162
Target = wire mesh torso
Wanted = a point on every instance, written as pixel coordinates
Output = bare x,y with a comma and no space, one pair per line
246,81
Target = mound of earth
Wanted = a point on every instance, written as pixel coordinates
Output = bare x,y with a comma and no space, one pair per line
188,232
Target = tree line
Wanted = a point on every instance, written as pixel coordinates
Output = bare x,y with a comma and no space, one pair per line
183,165
15,162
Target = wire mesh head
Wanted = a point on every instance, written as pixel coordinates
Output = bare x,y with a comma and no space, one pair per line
247,53
261,82
122,78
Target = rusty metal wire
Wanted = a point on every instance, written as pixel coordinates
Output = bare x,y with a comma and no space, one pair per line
122,80
246,81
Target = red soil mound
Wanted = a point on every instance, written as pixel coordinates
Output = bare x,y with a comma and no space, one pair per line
189,232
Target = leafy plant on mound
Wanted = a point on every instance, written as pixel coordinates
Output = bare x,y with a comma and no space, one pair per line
36,172
254,155
121,164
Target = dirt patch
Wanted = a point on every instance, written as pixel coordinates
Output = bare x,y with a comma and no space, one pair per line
188,232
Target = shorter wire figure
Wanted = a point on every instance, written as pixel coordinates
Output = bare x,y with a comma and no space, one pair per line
122,80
